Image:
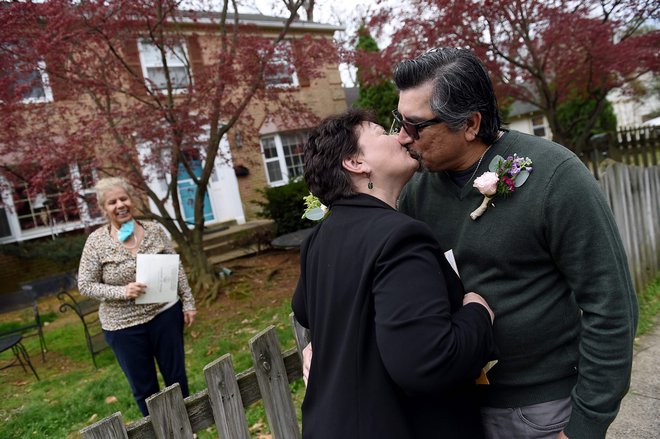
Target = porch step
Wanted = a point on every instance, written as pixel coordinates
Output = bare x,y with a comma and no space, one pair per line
218,227
233,254
235,241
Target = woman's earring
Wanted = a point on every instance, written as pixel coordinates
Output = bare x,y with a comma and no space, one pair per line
371,184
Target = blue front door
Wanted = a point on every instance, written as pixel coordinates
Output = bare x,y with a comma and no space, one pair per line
188,190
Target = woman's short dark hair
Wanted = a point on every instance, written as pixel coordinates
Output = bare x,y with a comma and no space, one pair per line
461,87
333,140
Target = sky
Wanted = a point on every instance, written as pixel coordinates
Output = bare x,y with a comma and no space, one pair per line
343,13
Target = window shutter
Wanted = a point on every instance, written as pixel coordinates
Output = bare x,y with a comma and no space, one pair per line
302,69
132,58
59,85
195,55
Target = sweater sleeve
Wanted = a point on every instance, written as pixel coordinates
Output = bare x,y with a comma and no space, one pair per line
585,243
424,347
90,274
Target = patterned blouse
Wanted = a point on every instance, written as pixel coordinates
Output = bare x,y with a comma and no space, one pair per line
106,267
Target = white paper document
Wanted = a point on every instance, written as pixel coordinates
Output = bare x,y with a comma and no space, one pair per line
449,255
160,273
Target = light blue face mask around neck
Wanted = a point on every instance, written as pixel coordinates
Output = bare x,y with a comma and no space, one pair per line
126,230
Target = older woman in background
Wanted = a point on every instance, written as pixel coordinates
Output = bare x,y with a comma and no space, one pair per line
137,333
397,342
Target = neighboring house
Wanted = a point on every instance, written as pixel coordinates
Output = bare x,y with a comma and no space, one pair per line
633,110
528,118
268,153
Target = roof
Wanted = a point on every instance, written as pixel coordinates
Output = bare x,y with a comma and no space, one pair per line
520,108
652,122
209,17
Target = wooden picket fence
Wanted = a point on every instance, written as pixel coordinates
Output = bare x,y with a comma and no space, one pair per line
637,146
633,193
223,402
627,165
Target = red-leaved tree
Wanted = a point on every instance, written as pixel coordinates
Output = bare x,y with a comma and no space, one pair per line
541,52
108,119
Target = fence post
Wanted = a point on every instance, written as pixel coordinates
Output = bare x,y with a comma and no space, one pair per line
168,413
649,212
111,427
274,385
226,400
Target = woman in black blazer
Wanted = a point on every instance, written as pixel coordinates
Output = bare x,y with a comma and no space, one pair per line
397,342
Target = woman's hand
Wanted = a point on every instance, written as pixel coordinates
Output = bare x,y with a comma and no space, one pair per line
307,362
476,298
134,290
189,317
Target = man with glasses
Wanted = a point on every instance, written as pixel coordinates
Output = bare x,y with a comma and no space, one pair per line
546,255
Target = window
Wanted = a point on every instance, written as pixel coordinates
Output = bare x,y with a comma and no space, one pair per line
84,178
32,83
272,160
283,156
292,145
53,206
154,71
65,201
24,78
280,72
538,126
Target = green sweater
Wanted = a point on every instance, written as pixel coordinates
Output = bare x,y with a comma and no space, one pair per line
549,260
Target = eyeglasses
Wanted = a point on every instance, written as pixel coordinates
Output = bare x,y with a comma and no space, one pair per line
412,129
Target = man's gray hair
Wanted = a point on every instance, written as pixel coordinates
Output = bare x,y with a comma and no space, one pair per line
461,87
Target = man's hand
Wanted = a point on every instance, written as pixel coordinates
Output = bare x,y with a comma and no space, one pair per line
561,435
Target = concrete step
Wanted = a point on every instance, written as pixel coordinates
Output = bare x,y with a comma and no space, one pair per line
225,242
219,226
220,248
234,254
238,240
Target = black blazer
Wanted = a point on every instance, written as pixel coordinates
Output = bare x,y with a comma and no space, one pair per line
395,352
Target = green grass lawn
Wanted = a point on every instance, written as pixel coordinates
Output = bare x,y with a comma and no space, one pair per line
72,394
649,306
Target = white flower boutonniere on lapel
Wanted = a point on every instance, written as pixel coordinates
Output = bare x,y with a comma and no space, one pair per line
503,176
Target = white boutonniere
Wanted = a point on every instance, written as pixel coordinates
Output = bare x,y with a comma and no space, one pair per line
502,178
314,209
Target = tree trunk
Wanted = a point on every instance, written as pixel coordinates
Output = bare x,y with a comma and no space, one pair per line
202,276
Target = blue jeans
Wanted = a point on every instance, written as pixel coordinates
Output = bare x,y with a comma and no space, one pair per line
538,421
136,347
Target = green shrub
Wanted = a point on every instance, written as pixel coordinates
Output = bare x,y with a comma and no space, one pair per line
64,250
285,206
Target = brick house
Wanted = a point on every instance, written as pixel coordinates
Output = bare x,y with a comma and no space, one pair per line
265,153
261,151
